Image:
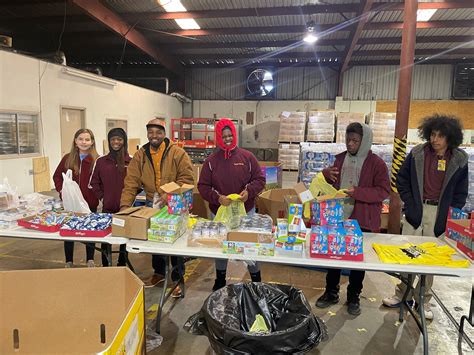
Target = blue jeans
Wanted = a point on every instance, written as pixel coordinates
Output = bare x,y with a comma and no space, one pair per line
158,262
221,264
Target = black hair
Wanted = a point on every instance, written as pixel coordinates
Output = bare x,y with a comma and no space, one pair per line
448,126
355,127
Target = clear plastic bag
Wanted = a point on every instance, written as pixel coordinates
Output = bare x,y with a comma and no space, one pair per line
71,194
8,196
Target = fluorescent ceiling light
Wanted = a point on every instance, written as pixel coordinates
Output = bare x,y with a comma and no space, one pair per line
424,14
310,38
176,6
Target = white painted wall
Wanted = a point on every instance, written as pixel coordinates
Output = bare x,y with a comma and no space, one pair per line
22,90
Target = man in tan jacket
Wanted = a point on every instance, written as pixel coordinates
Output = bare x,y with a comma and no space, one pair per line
156,163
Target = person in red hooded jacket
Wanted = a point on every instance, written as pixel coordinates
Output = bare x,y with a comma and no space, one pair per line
80,160
230,170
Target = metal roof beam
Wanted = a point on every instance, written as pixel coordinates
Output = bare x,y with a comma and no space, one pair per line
112,21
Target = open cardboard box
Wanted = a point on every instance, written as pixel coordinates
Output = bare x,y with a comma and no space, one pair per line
272,203
133,222
73,311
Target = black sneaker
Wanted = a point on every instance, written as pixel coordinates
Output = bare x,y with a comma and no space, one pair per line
327,299
353,307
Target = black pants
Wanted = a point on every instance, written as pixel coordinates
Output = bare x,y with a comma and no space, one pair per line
69,251
177,262
122,259
354,289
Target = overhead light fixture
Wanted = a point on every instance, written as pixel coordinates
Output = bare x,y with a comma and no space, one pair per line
310,36
176,6
89,76
424,14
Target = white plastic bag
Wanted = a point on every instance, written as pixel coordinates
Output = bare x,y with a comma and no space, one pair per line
8,196
73,200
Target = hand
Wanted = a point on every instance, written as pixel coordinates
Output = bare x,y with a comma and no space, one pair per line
350,191
333,174
224,200
244,195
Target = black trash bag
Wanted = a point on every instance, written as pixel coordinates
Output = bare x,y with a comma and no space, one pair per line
228,314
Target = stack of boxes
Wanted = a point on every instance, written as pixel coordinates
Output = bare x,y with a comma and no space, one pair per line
289,156
343,120
470,197
383,127
315,157
292,127
291,231
166,228
321,126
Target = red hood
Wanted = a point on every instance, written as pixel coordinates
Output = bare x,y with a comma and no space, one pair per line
220,125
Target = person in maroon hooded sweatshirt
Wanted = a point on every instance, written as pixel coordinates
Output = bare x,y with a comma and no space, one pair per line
107,181
80,160
364,175
230,170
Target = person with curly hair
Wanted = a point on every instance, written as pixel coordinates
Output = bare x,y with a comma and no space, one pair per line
433,177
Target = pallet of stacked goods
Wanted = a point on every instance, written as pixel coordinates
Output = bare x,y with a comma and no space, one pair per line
321,126
292,129
288,156
314,157
383,126
343,119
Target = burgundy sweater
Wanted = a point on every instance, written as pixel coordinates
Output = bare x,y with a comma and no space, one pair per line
230,176
107,183
374,187
82,179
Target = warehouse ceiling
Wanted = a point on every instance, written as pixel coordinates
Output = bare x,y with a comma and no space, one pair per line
154,38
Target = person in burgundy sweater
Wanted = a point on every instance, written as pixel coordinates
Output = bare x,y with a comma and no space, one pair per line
80,160
107,181
365,176
228,171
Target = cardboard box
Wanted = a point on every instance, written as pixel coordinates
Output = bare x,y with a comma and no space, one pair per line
133,222
72,311
462,232
180,198
200,206
272,203
303,193
249,243
273,174
196,173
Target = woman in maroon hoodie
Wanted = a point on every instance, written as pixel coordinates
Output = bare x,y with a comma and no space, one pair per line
230,170
80,160
107,181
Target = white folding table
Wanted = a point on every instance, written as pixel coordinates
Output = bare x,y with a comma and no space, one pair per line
371,263
24,233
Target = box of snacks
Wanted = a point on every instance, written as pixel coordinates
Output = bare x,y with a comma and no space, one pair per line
87,225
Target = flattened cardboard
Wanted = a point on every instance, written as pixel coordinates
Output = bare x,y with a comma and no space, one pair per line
133,222
58,311
174,188
250,237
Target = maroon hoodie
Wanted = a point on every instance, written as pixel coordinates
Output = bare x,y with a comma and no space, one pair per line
373,188
107,182
230,176
82,179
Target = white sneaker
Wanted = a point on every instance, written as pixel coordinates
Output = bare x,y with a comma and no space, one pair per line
90,263
68,265
394,302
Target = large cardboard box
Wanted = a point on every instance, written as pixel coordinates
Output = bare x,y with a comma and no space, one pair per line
196,173
272,202
273,174
133,222
71,311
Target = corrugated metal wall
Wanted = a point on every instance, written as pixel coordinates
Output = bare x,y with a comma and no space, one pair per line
300,83
430,82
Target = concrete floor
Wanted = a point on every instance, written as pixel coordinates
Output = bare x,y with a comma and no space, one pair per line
375,331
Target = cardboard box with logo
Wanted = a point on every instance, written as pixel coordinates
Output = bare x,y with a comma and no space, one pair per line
180,198
133,222
273,174
72,311
272,202
249,243
462,232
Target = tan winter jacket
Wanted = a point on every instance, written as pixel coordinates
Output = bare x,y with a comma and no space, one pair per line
175,166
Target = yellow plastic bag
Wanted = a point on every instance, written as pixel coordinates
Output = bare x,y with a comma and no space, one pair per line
230,215
421,254
259,325
320,187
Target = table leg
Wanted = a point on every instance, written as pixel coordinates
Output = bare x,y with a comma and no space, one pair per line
409,284
421,312
181,279
468,318
163,294
108,254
